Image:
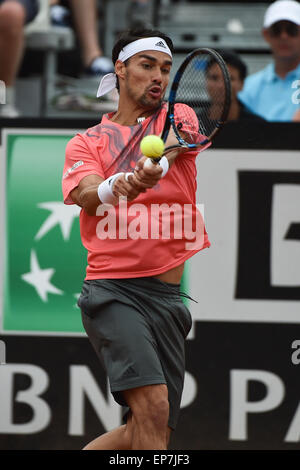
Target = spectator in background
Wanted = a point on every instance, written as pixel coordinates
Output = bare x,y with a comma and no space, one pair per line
269,92
238,71
14,14
84,15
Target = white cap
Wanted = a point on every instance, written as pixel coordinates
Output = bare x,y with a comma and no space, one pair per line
282,10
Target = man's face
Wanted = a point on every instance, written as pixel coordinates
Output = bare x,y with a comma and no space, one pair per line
284,39
215,82
146,78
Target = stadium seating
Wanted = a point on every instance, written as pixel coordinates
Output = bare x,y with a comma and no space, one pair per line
233,25
41,35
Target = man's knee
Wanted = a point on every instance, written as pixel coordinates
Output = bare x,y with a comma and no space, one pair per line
157,411
149,404
12,18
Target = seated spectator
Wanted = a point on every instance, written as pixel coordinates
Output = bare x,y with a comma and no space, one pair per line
14,14
84,15
269,91
238,71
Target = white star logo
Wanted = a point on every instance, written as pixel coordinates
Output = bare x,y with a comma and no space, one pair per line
61,214
40,278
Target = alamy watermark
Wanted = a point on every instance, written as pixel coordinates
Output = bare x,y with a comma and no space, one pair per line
152,221
2,92
296,94
2,353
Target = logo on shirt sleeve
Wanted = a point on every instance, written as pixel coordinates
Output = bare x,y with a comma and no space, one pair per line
76,165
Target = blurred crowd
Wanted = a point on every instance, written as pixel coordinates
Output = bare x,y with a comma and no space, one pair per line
272,94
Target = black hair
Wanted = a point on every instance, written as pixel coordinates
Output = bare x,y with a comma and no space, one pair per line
130,35
233,59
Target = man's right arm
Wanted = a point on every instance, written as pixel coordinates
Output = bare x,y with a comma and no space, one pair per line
86,195
83,185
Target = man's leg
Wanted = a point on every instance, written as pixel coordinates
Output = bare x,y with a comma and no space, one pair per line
117,439
135,433
150,413
85,19
12,19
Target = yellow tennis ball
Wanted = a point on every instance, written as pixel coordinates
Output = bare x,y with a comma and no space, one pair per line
152,146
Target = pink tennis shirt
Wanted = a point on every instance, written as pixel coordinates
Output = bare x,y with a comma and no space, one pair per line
157,231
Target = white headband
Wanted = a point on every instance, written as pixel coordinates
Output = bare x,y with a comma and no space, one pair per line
109,81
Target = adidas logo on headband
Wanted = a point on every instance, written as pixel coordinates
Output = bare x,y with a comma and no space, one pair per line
161,44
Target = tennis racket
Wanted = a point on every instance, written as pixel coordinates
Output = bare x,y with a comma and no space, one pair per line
199,101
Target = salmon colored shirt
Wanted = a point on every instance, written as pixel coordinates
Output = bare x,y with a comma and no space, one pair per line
157,231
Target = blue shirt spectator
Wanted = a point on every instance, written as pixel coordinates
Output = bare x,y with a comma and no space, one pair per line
272,97
273,92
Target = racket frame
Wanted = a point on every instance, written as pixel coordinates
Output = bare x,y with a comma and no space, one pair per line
170,118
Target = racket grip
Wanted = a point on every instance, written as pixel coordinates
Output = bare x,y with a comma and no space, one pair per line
151,162
162,162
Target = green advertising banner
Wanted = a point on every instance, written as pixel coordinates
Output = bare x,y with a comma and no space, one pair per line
44,258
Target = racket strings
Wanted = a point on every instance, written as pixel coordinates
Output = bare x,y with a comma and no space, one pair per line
200,98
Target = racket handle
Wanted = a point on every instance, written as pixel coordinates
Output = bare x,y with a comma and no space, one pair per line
162,162
150,162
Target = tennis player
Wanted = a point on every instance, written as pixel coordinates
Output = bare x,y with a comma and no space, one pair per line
130,301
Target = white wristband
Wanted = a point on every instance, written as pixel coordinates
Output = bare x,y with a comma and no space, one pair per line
105,190
164,163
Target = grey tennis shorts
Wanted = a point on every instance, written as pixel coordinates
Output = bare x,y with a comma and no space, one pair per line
138,329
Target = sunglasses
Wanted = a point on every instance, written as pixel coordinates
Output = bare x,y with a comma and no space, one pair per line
291,29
